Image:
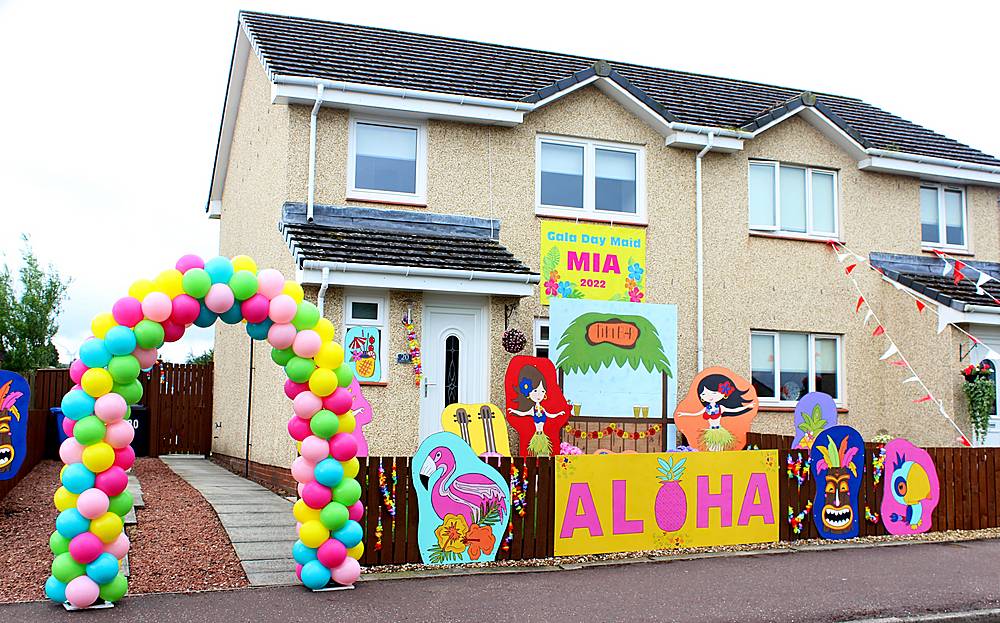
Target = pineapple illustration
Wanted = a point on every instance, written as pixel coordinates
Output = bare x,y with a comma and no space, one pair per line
812,425
363,355
671,502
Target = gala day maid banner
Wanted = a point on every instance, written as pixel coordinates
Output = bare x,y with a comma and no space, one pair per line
588,261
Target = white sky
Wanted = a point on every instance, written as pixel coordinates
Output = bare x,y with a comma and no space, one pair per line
109,111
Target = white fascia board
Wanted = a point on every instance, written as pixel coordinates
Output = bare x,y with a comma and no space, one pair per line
215,209
691,140
628,101
929,171
561,94
423,283
241,54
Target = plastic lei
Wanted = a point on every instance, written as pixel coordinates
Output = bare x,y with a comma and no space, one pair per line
796,520
518,489
413,345
798,468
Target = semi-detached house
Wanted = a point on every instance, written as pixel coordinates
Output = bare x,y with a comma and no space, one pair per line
397,173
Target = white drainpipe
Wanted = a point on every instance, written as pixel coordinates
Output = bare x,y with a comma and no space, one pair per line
699,250
321,297
312,151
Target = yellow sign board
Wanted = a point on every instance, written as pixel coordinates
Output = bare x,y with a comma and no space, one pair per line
638,502
592,261
482,426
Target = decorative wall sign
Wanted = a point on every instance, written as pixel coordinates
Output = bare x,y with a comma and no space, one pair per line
482,426
536,407
361,344
14,398
363,415
464,504
636,502
813,412
717,412
591,261
911,491
837,461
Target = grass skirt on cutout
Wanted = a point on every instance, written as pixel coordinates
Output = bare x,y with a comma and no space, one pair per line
717,439
540,445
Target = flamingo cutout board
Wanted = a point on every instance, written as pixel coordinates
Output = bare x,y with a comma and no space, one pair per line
463,503
362,411
482,426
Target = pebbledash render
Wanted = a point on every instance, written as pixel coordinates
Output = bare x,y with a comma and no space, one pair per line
454,240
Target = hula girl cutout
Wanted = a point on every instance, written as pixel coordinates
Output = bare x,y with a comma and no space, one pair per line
536,408
726,404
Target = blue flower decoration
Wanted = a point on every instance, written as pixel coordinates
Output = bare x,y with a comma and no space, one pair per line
635,272
525,386
565,288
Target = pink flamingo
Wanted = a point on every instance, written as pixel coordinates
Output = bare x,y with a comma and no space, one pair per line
465,495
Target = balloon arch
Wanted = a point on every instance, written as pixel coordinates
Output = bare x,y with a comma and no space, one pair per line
89,542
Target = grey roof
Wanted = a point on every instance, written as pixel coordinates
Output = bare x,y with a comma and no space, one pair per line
396,238
295,46
925,275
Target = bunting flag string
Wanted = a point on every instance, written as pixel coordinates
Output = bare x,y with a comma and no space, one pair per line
957,267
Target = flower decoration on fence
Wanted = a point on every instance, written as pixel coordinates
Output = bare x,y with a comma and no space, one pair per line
797,468
509,538
878,463
568,448
615,430
413,346
797,520
378,534
518,489
870,516
388,495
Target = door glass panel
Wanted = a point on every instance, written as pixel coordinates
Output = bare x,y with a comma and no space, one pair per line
451,353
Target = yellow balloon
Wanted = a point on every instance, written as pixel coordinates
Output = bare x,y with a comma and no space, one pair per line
98,457
313,533
244,262
102,323
330,355
356,551
351,467
303,512
97,382
294,290
325,329
107,527
141,288
170,282
298,447
322,382
64,499
347,423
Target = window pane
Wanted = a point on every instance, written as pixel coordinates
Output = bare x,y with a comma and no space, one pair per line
794,373
954,230
615,181
761,195
929,215
826,366
793,199
364,311
762,364
542,351
824,219
543,332
562,175
386,158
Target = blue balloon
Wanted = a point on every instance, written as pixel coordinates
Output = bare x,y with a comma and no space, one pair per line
302,553
350,535
77,404
119,341
94,353
329,472
55,590
70,523
232,315
77,478
103,569
220,269
315,575
258,330
206,317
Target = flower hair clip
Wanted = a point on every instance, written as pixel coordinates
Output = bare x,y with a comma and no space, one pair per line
526,386
726,388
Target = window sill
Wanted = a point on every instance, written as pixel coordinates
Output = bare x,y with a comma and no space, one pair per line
373,384
948,250
774,408
590,217
756,233
416,203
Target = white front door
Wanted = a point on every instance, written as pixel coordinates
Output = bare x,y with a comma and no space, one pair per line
991,338
454,355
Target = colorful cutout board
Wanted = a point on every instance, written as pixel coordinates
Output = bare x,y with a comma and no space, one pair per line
464,504
717,412
536,407
481,426
363,415
837,462
814,412
14,398
911,490
637,502
591,261
363,349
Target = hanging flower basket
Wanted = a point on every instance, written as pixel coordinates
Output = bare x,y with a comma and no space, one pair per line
980,390
514,341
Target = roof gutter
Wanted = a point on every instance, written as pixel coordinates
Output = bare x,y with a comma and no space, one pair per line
702,129
982,309
957,164
421,271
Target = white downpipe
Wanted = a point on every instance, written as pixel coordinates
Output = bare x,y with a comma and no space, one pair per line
312,151
419,271
700,250
321,297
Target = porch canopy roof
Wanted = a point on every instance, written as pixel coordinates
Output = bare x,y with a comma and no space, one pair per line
403,250
925,275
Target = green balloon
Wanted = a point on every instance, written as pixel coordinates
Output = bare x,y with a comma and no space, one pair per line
344,375
333,516
324,424
89,430
282,356
306,316
347,492
131,391
243,284
148,334
115,589
64,568
299,369
123,368
196,282
128,411
120,504
58,543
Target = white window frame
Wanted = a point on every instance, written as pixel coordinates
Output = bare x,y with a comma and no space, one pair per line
589,211
942,225
386,196
537,341
776,400
810,232
367,296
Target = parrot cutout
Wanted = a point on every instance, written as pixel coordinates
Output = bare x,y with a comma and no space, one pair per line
911,489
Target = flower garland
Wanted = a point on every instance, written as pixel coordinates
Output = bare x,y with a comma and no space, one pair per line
612,429
413,344
870,516
878,464
507,540
519,489
798,468
388,497
797,520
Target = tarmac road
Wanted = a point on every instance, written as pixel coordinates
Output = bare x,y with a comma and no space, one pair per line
831,585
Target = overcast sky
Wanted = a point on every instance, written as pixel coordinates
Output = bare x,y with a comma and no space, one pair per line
109,111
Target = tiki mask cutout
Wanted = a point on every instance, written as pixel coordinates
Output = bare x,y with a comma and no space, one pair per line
838,461
13,422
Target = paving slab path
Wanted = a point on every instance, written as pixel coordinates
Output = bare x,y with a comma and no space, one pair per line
258,521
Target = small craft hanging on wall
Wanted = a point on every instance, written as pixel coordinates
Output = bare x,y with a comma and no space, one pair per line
717,412
837,460
536,407
911,490
14,395
481,426
813,412
362,345
413,347
514,341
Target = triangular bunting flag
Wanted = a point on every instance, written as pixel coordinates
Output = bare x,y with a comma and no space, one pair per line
861,301
842,256
983,278
868,316
850,269
947,268
892,350
878,331
920,305
959,275
860,258
926,398
975,340
912,379
963,440
899,363
947,316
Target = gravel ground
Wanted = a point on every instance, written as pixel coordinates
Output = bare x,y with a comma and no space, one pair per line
27,518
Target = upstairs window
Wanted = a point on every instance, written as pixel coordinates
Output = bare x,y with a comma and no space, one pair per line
942,216
793,200
387,161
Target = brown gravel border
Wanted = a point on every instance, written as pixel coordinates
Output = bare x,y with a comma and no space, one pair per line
27,518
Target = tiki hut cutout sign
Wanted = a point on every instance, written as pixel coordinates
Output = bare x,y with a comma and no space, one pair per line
717,412
837,459
536,407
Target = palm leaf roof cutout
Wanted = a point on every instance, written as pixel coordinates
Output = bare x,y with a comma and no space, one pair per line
576,354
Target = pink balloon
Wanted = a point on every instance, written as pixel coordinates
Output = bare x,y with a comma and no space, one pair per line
86,547
127,311
347,572
124,457
270,282
156,306
110,407
119,547
302,470
298,488
219,298
316,495
172,331
343,446
298,428
293,389
71,450
306,405
281,336
92,503
315,448
282,309
189,261
76,370
355,511
67,426
255,308
146,357
307,343
331,553
82,592
112,481
184,309
340,401
119,434
298,571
